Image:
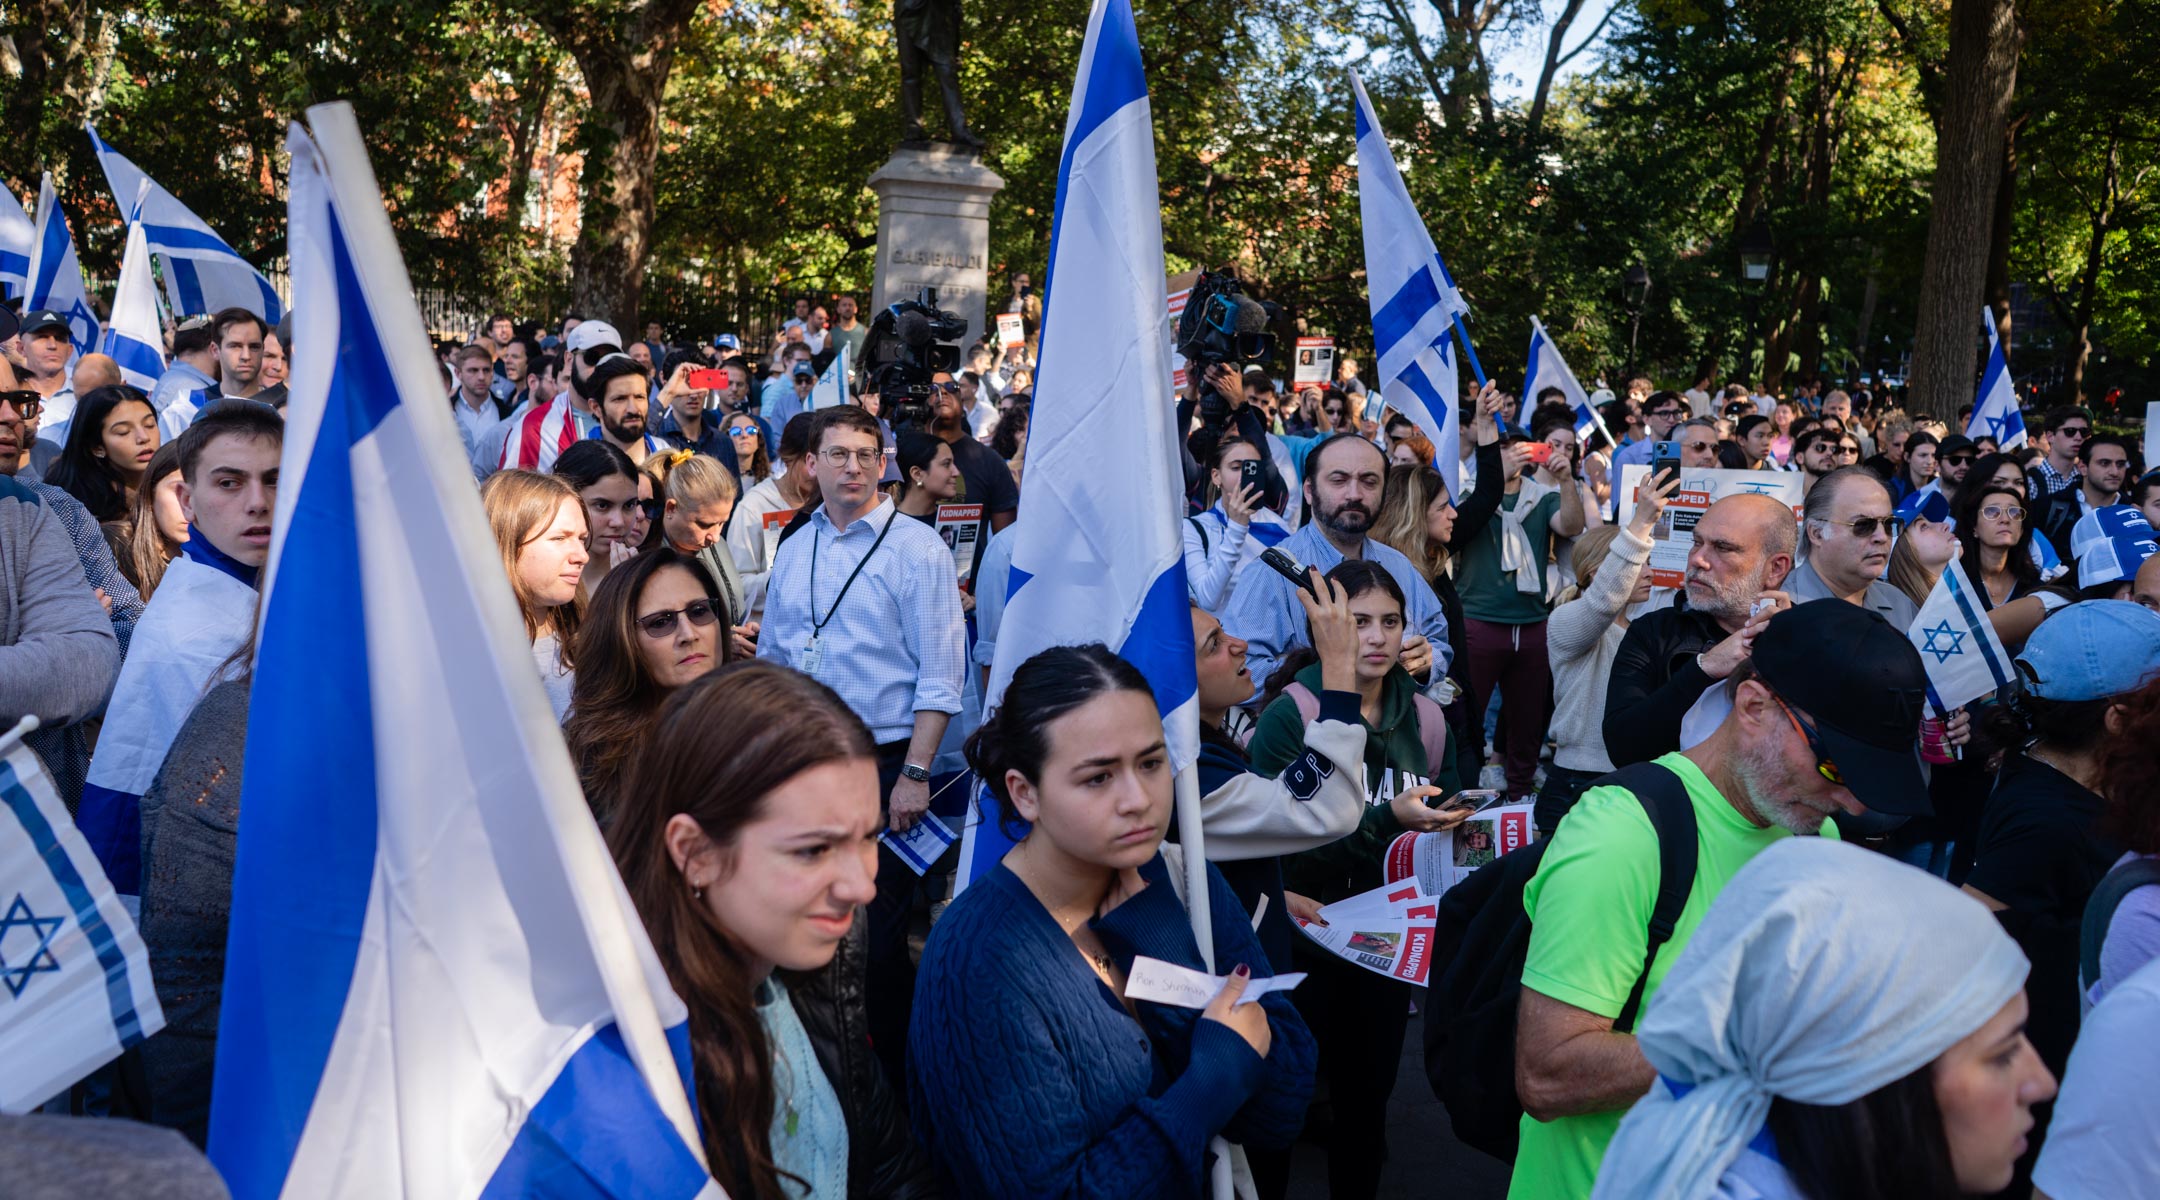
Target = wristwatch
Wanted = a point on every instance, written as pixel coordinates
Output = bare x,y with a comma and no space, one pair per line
918,774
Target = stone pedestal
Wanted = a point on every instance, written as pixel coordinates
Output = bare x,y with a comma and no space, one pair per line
934,229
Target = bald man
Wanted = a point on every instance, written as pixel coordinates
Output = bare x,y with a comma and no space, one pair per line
93,371
1743,551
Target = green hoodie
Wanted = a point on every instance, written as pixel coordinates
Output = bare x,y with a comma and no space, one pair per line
1392,749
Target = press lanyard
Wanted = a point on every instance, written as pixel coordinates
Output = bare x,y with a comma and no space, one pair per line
812,654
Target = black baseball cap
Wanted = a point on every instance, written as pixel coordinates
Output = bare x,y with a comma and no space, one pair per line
45,318
10,324
1956,443
1860,683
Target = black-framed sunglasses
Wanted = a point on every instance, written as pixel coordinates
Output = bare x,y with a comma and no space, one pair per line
652,508
662,624
28,403
1865,527
1958,460
1823,766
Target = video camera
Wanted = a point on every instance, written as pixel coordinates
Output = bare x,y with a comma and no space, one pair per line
1222,324
903,351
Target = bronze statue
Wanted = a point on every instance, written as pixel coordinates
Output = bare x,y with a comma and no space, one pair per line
929,31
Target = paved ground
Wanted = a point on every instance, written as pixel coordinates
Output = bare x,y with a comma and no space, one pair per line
1424,1159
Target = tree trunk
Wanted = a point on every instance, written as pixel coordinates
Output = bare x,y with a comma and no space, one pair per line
625,57
2103,221
533,101
49,38
1981,75
1870,293
1998,262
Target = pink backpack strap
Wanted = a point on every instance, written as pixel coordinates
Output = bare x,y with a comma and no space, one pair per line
1308,704
1433,731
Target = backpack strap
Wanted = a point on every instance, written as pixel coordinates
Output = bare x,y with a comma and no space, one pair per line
1200,527
1664,796
1308,704
1432,730
2114,888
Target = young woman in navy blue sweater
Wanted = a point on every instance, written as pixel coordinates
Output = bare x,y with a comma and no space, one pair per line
1030,1072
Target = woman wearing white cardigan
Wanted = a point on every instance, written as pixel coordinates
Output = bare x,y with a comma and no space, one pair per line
1581,637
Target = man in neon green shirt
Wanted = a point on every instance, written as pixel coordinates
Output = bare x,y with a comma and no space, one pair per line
1825,717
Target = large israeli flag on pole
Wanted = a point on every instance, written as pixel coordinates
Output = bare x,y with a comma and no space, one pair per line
133,336
18,233
202,272
435,983
1546,369
74,978
1995,412
1964,658
1415,307
56,280
1097,556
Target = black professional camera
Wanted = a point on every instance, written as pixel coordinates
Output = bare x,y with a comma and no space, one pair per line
903,351
1222,324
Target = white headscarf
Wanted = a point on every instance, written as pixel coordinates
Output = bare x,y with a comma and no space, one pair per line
1823,973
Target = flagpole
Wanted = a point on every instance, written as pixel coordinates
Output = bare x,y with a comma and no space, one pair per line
1192,844
1462,335
13,737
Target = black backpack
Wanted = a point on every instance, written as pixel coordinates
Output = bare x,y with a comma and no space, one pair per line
1483,935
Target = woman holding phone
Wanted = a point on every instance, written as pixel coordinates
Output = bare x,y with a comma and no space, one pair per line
1358,1016
1220,541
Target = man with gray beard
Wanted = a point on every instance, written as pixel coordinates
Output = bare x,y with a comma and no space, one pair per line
1821,719
1743,550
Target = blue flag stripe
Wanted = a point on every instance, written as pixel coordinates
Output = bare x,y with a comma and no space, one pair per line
1973,622
119,989
1400,316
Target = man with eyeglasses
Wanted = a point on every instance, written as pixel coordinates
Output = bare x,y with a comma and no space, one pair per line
1848,531
984,477
863,601
1821,723
2066,427
2104,466
1661,412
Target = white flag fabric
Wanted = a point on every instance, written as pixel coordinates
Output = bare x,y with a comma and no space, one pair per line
1963,657
1414,301
18,233
1097,554
1995,411
203,274
56,280
832,387
1546,369
72,965
436,985
133,337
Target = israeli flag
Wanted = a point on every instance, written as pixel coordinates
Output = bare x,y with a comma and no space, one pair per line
56,281
1995,412
1097,554
1547,369
18,233
1963,657
203,274
134,337
1414,302
72,965
832,387
435,985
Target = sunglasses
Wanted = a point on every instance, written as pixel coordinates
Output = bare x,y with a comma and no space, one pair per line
743,431
1958,460
652,508
1823,766
662,624
27,403
1698,447
1865,527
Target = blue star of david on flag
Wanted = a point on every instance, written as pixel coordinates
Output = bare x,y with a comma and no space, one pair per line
16,973
1936,638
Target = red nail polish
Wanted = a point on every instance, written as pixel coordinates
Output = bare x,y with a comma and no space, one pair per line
1243,971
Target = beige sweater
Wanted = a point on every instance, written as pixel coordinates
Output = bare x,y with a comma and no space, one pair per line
1581,639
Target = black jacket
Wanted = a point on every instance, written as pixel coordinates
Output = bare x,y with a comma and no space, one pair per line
884,1161
2055,514
1655,680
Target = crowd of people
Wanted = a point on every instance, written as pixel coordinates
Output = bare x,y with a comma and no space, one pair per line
1786,931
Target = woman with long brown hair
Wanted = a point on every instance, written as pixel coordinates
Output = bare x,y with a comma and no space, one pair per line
747,837
539,526
158,525
654,625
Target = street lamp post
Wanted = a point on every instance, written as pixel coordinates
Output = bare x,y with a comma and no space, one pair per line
1635,289
1756,252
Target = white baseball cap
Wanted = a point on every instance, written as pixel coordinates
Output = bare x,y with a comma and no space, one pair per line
593,333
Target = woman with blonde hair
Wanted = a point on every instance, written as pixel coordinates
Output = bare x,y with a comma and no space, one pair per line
696,497
158,525
539,526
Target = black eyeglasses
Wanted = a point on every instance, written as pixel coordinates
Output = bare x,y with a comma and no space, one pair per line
1823,766
28,404
1865,527
1669,414
662,624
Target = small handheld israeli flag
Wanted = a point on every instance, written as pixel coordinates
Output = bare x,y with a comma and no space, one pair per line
832,387
1995,413
1963,657
75,985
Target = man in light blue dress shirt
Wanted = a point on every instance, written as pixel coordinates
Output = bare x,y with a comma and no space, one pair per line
1344,475
866,601
1661,412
